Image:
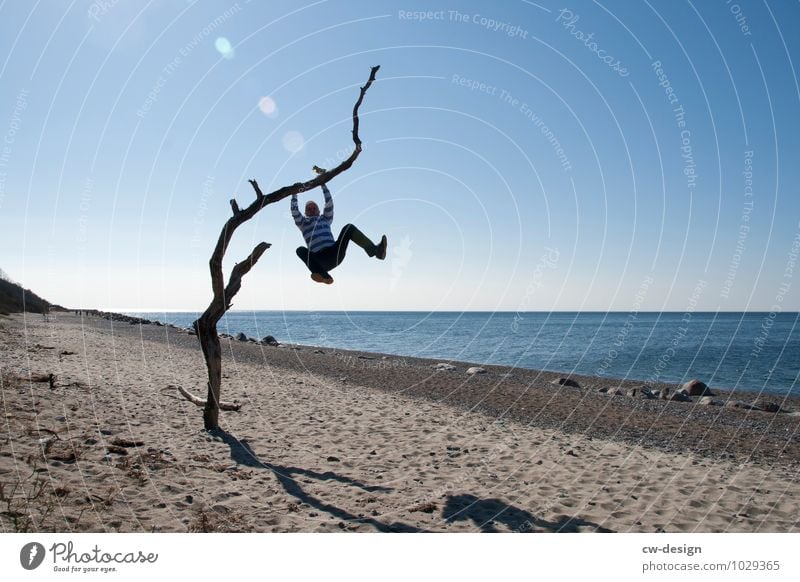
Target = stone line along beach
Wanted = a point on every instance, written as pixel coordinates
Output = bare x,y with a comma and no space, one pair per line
96,438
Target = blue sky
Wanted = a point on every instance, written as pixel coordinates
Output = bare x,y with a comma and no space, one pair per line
519,155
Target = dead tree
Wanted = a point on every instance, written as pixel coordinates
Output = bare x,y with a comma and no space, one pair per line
206,325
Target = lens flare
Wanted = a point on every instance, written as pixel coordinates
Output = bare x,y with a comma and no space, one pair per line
268,106
223,46
293,141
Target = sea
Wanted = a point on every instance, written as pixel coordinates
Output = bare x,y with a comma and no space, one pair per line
752,351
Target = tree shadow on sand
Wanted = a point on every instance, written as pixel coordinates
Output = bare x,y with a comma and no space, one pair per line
485,513
243,454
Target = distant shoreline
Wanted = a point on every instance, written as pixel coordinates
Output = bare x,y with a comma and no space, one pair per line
593,362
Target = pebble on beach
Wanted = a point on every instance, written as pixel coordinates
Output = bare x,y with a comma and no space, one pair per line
697,388
566,382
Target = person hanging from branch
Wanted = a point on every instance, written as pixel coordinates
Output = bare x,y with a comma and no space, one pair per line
323,253
223,293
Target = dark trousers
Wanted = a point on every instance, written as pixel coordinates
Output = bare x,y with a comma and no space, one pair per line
331,257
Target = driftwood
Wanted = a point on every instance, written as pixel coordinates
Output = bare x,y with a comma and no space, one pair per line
206,324
200,402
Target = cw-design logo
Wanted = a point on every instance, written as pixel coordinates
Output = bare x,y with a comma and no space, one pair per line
31,556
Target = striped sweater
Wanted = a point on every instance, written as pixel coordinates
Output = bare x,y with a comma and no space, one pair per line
316,229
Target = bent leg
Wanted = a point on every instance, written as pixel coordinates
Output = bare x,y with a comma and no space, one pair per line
310,261
302,254
351,233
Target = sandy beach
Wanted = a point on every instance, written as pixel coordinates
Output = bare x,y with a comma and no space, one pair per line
96,438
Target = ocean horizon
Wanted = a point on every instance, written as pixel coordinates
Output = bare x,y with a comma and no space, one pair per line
754,351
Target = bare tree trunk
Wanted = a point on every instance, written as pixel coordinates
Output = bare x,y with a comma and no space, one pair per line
206,324
212,352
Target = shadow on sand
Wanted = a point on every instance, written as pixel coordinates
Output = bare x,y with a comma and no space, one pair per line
243,454
485,513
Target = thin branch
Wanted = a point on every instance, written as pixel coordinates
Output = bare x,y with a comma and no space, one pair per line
259,193
241,269
321,179
356,139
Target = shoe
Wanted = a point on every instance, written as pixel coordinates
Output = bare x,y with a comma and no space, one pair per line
320,278
380,249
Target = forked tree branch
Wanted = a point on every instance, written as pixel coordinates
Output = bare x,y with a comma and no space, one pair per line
241,269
